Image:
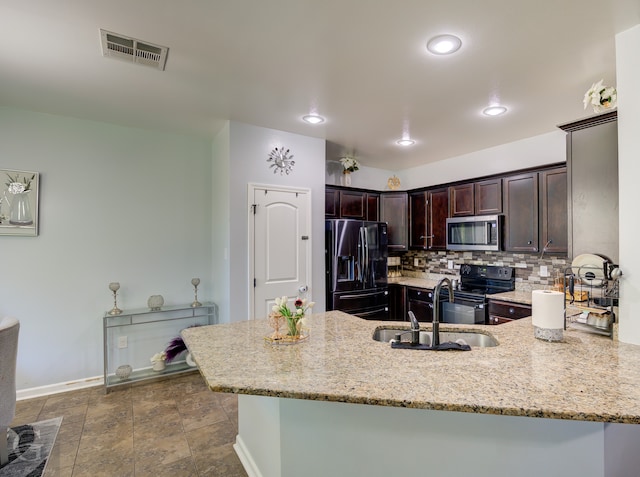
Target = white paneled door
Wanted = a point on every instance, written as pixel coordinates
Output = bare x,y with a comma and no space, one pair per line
280,245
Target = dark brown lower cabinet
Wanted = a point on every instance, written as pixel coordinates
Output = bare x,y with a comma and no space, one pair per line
503,311
420,301
397,302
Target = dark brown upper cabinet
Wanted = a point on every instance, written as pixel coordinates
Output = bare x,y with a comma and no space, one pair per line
461,199
488,197
521,212
418,229
393,211
373,206
428,212
476,198
553,210
438,213
331,203
351,204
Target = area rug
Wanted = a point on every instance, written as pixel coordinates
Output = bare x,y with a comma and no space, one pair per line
30,447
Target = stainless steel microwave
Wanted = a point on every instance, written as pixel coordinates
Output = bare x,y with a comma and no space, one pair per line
478,232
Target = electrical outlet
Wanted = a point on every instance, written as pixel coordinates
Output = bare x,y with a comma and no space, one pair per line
450,264
543,271
122,342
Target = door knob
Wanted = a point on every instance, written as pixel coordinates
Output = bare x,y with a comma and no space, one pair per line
303,289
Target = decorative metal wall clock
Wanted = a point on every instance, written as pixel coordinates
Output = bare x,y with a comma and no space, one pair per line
282,161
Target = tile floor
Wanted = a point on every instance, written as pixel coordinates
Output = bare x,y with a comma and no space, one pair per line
176,427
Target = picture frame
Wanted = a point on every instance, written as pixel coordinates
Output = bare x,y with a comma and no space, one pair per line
19,192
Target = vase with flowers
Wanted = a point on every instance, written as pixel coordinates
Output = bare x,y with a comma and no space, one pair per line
600,97
19,207
349,165
292,319
158,361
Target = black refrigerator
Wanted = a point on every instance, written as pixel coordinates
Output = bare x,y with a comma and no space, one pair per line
356,268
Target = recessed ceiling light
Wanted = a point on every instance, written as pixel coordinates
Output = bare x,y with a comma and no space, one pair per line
494,110
405,142
313,119
444,44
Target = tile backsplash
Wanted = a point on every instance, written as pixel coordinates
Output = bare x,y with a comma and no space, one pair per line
424,264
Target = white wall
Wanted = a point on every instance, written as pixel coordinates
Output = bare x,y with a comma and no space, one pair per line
628,79
221,222
535,151
116,204
249,148
549,148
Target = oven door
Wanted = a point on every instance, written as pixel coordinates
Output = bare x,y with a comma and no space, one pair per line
463,311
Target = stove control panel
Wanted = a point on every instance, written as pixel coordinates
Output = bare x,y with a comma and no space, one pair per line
487,271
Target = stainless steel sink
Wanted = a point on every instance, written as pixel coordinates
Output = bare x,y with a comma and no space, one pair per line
472,338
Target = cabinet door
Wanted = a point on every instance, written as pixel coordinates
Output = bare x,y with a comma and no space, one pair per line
331,203
420,303
393,211
461,199
352,204
553,210
488,197
418,220
521,212
373,201
397,303
437,219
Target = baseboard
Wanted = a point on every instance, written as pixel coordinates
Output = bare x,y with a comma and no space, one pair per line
246,459
50,389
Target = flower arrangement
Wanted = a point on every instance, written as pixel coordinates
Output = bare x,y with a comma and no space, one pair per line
293,318
600,97
17,186
156,358
175,347
349,164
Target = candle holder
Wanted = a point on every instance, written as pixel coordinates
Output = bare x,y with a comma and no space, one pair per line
114,287
195,282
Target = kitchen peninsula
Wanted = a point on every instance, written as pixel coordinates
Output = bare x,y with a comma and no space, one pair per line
344,404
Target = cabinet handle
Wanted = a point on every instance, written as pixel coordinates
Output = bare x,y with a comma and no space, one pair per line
512,311
529,242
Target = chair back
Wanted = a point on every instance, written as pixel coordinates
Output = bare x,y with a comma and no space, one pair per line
9,328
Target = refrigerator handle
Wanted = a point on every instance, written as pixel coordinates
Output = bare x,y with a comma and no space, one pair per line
367,269
360,256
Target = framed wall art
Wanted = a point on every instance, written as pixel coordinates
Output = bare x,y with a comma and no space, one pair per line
19,202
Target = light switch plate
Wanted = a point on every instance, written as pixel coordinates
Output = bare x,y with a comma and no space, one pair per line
122,342
543,271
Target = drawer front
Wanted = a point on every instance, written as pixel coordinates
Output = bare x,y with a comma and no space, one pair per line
419,294
512,311
356,301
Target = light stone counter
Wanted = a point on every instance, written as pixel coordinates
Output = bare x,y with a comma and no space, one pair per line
585,378
413,282
516,296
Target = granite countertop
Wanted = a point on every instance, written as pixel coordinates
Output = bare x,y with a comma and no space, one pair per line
586,377
516,296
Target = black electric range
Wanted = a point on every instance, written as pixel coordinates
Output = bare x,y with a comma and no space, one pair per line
470,300
486,279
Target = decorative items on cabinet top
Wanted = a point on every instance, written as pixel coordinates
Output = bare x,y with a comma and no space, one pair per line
600,97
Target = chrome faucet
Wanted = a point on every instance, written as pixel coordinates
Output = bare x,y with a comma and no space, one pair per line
435,341
415,328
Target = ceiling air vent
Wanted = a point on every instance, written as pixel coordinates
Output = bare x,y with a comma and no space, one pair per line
130,49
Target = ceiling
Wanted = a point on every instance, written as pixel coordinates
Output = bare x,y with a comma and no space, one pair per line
360,64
